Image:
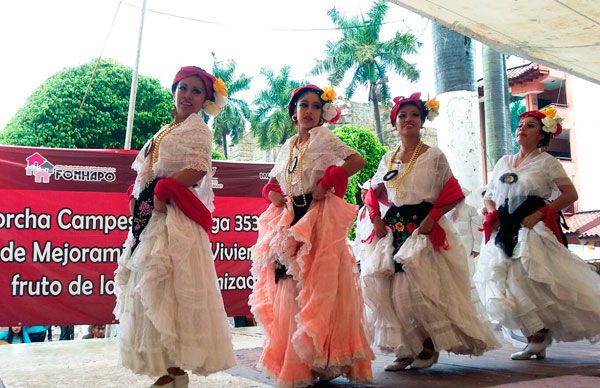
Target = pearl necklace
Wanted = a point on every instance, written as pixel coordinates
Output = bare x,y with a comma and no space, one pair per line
158,138
394,180
295,169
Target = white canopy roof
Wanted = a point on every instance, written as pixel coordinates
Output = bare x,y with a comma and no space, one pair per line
562,34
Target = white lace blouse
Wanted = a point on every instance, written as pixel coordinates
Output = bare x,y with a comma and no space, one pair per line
324,149
539,174
423,183
188,146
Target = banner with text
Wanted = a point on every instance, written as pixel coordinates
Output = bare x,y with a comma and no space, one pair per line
63,220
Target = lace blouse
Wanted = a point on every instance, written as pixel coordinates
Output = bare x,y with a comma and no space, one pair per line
188,146
539,174
324,149
423,183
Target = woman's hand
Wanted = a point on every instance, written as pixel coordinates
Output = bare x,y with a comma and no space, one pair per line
380,229
426,225
159,205
319,192
532,219
277,199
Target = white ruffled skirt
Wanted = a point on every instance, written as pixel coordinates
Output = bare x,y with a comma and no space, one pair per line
168,301
432,298
543,285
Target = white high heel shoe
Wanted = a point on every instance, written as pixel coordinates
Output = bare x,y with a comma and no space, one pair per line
420,363
537,349
398,364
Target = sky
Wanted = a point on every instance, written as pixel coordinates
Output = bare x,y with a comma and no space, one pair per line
40,37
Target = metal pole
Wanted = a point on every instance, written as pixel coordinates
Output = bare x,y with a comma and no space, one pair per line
134,78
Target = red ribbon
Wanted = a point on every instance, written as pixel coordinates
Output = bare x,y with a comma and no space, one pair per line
190,205
450,193
130,191
336,177
268,188
488,224
551,221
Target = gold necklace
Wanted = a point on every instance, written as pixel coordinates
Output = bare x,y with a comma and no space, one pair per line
396,179
295,169
158,138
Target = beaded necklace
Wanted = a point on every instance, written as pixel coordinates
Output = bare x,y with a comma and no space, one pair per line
158,138
394,180
294,167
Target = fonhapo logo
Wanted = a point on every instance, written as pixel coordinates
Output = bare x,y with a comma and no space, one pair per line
41,169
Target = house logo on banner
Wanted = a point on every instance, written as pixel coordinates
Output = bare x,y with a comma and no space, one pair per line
41,169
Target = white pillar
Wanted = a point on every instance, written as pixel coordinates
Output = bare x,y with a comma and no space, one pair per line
459,137
586,137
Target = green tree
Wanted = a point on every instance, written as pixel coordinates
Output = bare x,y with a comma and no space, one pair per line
232,119
517,107
360,50
270,122
216,155
364,141
52,117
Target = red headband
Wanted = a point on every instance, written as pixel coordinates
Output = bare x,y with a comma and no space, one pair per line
207,79
540,115
401,100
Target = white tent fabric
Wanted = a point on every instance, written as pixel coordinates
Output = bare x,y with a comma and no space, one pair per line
562,34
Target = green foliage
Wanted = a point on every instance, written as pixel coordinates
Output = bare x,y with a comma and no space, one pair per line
361,52
216,155
270,122
365,142
517,107
231,121
51,116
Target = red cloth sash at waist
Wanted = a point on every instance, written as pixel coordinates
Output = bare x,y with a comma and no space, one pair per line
336,177
190,205
450,193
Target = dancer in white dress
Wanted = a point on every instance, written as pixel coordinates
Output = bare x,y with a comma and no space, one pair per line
168,301
526,277
415,280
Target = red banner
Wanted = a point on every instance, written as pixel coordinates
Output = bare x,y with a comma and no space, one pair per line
63,220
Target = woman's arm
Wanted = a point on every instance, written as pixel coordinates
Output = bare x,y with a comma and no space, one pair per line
427,224
187,177
568,195
352,164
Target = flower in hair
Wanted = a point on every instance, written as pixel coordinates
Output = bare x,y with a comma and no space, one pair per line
211,108
433,106
331,113
328,94
552,123
220,87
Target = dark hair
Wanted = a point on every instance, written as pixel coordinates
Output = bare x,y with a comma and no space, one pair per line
546,135
421,107
11,336
301,93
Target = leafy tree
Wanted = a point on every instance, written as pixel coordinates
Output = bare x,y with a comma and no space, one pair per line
517,107
359,50
232,119
364,141
216,155
270,122
51,117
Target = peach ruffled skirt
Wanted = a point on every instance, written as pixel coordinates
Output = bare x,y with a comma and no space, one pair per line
313,322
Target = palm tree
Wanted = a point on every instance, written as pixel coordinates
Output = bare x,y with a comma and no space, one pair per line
270,122
495,99
360,50
454,59
232,119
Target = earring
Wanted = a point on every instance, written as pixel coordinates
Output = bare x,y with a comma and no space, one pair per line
294,118
321,121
